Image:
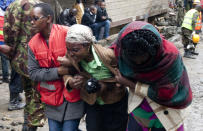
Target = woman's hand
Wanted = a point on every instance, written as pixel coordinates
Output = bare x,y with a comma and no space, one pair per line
76,82
64,61
122,80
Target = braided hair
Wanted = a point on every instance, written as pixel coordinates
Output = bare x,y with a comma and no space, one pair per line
139,42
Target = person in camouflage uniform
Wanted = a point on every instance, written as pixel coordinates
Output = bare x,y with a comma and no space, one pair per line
188,29
181,12
188,4
17,33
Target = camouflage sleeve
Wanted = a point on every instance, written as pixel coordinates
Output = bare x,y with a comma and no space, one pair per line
12,23
194,20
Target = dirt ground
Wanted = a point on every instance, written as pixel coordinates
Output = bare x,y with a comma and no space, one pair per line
13,120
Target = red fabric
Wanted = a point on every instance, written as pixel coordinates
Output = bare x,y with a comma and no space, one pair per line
165,56
165,73
47,58
201,3
1,28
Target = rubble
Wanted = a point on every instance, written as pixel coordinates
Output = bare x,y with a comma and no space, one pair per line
5,119
13,129
1,126
108,41
16,123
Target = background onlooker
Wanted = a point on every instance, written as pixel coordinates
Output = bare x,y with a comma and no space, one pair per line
98,3
4,61
103,20
68,17
89,19
15,86
80,10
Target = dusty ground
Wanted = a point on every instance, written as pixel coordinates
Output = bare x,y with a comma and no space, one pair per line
13,120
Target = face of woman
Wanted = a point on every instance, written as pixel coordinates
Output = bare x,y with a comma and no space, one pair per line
38,21
137,59
78,51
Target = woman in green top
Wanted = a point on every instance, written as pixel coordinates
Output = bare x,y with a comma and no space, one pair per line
106,101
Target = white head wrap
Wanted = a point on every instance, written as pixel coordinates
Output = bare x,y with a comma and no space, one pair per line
80,34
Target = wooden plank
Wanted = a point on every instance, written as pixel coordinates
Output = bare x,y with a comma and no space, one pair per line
121,22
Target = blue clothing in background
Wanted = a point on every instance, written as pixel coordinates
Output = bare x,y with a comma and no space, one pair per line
1,43
70,125
15,85
4,66
5,3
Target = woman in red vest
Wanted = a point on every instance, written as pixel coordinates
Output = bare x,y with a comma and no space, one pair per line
64,108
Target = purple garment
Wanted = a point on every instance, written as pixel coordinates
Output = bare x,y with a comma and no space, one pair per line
133,124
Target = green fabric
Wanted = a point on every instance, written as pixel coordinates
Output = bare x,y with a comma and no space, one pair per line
100,101
141,113
155,123
187,22
97,70
1,32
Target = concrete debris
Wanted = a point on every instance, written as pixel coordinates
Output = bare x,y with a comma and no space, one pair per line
169,31
7,127
108,41
1,126
13,129
5,119
201,81
14,123
175,38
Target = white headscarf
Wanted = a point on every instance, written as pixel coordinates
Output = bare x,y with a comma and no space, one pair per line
80,34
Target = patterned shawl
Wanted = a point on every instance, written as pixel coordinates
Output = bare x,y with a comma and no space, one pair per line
165,73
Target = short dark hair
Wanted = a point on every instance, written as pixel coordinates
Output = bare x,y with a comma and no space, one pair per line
98,1
46,9
139,42
92,7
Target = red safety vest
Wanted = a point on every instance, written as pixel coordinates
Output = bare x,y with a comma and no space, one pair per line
198,24
52,92
1,28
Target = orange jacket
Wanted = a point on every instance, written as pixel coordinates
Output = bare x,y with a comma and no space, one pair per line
52,92
198,24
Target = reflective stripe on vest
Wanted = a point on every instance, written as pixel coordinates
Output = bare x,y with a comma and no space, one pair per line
187,22
47,86
198,25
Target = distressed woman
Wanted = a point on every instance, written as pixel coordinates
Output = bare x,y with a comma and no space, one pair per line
105,100
153,69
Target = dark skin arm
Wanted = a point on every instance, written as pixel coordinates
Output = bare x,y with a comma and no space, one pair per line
5,49
76,82
64,61
124,81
